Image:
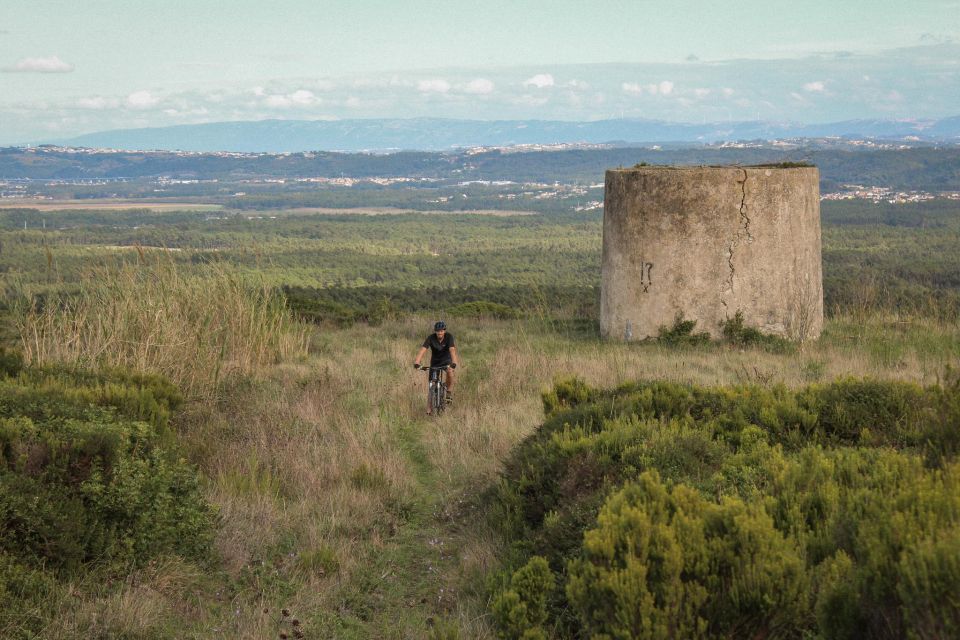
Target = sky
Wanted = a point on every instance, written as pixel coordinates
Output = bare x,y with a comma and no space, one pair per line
77,66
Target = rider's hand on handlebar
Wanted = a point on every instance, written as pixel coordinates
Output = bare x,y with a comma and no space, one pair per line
416,365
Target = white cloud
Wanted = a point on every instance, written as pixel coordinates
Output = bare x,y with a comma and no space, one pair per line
97,102
298,98
142,100
51,64
278,102
817,86
479,86
701,93
727,92
259,92
435,85
302,96
664,87
540,81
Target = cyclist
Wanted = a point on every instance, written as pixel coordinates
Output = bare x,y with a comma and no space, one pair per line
443,353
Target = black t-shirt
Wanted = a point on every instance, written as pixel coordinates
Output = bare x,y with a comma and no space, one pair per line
439,351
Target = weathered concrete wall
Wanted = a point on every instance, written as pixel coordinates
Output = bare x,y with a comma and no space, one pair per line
708,241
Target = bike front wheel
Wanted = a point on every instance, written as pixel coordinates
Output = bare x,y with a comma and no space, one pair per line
441,398
435,398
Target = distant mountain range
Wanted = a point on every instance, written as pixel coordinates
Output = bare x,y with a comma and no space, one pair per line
435,134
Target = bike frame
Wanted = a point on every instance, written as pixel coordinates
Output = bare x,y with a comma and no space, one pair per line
436,389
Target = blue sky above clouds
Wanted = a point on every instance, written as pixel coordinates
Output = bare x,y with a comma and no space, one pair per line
72,67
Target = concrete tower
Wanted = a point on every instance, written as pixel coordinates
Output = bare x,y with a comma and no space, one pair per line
706,242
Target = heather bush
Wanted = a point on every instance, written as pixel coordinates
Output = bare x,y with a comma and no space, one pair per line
521,609
665,563
670,510
89,481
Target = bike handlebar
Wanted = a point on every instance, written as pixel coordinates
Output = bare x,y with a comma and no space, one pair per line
443,368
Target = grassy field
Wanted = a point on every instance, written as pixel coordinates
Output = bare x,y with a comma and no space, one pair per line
340,504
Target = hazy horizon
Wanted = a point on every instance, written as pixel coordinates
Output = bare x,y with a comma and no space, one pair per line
67,70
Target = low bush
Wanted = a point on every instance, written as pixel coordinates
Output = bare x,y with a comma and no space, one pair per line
89,481
665,563
681,333
670,510
11,362
521,609
735,332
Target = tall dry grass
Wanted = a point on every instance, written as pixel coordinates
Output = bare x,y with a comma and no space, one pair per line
197,327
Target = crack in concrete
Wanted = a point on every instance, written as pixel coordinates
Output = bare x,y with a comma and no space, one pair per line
743,207
743,228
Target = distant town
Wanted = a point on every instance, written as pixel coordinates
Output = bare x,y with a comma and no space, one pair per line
528,177
28,189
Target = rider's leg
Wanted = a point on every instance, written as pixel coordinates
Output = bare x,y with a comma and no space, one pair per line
451,378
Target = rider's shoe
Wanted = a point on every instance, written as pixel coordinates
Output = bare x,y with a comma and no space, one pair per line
449,398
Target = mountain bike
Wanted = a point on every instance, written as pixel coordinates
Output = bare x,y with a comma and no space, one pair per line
436,389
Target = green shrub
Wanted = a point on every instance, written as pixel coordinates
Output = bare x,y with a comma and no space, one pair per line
941,430
23,592
851,490
736,333
380,311
889,411
681,333
521,610
669,564
87,476
929,584
565,394
11,362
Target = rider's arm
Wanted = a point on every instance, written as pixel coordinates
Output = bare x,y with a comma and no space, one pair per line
420,353
455,355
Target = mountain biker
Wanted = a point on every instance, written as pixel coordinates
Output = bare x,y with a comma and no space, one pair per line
443,353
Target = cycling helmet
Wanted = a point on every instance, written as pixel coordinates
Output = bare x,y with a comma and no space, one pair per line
439,324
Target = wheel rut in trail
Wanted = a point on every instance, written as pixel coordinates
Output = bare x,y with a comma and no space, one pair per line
411,579
409,437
